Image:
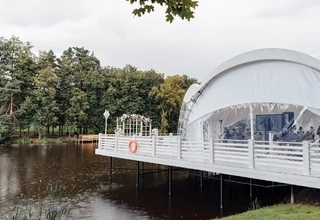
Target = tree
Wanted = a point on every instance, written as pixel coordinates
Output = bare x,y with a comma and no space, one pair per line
76,114
128,93
44,94
95,89
169,96
16,71
80,79
181,8
188,82
40,108
63,93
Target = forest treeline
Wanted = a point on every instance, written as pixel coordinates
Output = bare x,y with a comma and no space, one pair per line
70,93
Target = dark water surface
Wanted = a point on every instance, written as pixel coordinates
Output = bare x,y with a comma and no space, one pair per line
34,173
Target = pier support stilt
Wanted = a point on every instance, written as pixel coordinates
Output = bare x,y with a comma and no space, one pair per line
221,191
230,188
292,195
142,168
169,207
137,173
250,190
272,185
110,171
170,180
201,180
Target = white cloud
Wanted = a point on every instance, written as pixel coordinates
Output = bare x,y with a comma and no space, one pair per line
220,30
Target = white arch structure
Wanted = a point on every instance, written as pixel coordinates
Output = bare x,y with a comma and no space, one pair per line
259,82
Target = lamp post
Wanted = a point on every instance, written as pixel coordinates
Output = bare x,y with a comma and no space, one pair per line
106,114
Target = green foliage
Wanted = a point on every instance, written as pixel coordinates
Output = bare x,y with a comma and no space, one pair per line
255,204
72,92
24,140
44,141
128,93
16,70
169,96
53,207
281,211
79,89
181,8
188,82
6,127
59,140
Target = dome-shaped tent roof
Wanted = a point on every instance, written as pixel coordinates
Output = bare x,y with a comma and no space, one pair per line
259,76
265,75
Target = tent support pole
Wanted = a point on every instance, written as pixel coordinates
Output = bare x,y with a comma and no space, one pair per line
251,122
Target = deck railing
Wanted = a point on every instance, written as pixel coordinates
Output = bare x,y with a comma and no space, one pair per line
301,158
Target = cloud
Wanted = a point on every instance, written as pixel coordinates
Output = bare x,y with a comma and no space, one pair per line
294,9
38,13
220,30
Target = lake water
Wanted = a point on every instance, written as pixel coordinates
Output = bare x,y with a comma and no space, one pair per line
71,175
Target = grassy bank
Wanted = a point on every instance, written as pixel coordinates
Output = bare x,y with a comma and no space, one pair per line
281,212
43,140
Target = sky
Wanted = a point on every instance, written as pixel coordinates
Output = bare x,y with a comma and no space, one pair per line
220,30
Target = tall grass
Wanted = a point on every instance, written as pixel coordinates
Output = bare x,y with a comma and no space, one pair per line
24,140
54,206
59,140
255,204
44,141
280,211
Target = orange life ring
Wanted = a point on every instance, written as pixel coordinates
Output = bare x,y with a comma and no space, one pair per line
133,146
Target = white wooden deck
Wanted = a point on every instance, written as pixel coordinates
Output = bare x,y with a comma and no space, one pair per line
290,163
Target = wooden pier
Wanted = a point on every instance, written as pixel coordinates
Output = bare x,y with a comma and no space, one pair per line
88,138
294,163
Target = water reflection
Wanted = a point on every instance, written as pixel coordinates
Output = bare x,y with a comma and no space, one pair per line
29,170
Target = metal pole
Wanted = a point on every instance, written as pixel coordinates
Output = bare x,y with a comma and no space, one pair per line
251,122
231,187
105,130
137,173
292,195
142,168
272,189
170,180
221,191
110,171
250,190
201,180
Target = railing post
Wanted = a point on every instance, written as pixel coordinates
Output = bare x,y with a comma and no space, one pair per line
116,143
153,146
179,147
251,153
211,152
306,158
99,141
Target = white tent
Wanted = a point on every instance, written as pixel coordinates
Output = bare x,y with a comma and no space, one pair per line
270,85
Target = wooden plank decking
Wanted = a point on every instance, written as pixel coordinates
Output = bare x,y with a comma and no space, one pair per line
290,163
88,138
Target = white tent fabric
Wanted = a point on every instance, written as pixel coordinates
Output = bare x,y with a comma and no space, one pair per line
263,79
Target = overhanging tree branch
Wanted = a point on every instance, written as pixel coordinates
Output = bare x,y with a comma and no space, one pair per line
174,8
